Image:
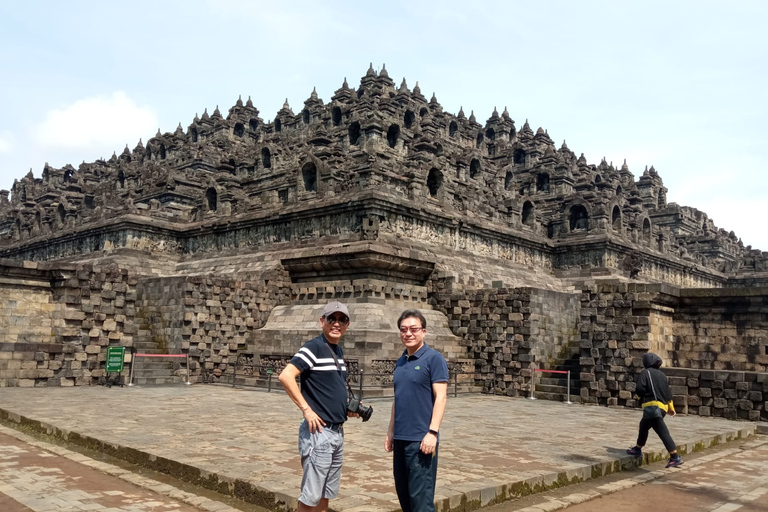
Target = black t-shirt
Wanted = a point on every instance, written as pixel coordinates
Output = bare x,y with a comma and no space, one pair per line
323,383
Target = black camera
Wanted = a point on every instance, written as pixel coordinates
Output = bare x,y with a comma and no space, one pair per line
355,406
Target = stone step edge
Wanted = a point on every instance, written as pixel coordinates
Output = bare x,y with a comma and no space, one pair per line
475,499
124,474
222,484
626,483
280,502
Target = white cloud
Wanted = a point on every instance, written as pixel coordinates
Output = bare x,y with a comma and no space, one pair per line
6,142
106,123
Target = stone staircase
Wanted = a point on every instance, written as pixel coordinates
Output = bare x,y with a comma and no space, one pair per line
554,386
150,371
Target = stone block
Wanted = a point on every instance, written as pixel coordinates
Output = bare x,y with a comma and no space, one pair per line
73,314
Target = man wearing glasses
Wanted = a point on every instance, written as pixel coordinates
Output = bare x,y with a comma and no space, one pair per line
421,386
323,402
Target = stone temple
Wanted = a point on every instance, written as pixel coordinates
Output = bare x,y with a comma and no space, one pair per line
224,239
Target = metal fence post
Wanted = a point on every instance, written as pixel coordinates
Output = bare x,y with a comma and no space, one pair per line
234,374
188,371
455,384
568,399
533,386
133,365
361,384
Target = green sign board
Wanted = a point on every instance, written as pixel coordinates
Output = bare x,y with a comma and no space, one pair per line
269,371
115,358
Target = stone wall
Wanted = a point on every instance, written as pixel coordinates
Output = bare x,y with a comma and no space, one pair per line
97,310
726,394
60,320
509,331
694,331
27,343
159,315
25,308
220,315
721,329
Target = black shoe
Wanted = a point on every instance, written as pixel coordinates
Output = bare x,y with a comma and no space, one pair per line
674,462
635,451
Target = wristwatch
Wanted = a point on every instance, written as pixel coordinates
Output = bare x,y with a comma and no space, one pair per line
433,432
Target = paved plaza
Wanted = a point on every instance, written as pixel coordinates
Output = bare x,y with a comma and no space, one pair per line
244,441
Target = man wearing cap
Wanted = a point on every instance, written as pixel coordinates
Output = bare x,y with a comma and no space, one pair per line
322,399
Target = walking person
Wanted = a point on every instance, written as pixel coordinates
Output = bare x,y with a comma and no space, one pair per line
656,398
322,399
421,386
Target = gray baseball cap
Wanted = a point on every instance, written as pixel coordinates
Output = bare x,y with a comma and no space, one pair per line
334,306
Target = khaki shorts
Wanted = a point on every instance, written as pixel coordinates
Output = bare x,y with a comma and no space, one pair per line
321,456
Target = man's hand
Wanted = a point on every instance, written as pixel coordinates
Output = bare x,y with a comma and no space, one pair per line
428,444
314,422
672,413
389,443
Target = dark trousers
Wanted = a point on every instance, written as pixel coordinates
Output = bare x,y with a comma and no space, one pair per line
658,425
415,476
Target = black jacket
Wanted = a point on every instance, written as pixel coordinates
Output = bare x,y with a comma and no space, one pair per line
643,389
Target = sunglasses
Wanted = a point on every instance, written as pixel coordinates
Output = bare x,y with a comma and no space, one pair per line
341,320
412,330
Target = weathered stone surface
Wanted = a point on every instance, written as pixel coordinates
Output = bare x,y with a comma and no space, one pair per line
537,259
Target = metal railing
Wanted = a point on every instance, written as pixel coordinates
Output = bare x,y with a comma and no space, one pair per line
370,385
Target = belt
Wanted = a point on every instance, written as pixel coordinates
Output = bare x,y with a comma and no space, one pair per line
336,427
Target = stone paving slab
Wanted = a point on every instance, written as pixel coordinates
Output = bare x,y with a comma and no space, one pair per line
244,442
36,476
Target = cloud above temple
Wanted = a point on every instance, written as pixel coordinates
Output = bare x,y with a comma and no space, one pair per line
105,122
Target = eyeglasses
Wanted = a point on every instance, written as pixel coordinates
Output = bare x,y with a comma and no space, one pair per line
412,330
341,320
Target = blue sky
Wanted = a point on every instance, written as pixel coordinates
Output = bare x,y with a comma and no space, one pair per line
678,85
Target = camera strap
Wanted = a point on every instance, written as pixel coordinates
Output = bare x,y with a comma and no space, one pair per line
338,367
333,355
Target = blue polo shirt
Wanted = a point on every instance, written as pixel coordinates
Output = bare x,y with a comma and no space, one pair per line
414,400
323,383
